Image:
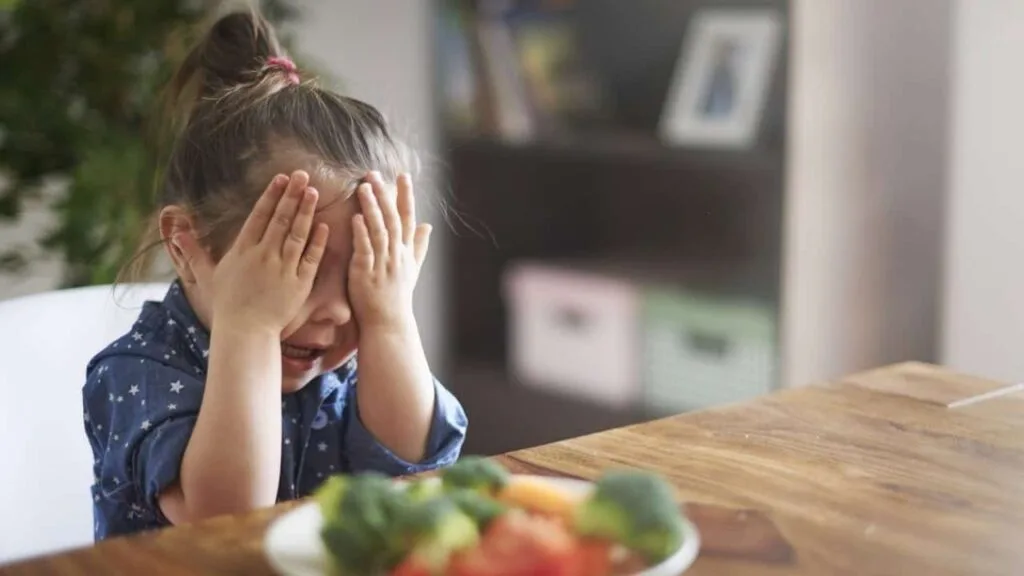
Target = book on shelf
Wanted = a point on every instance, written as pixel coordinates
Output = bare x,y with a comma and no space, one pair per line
515,71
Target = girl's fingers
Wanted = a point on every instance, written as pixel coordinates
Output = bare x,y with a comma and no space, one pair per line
281,222
196,257
295,242
314,252
362,254
263,211
420,243
374,221
392,224
406,209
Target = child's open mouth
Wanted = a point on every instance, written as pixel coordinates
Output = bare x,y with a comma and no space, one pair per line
299,352
300,357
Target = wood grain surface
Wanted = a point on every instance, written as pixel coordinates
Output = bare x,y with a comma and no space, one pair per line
872,474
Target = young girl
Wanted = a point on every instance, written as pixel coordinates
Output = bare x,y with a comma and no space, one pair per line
291,225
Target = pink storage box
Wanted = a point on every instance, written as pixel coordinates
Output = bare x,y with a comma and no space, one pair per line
574,332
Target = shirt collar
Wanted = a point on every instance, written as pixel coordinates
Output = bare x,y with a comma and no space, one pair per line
182,313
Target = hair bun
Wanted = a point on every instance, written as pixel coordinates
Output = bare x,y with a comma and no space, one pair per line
235,50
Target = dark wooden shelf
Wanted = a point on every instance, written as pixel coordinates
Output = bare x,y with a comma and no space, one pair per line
602,189
506,414
621,148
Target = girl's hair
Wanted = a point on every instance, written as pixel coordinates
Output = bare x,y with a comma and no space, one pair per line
237,101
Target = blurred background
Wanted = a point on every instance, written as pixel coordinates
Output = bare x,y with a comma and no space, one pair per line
641,207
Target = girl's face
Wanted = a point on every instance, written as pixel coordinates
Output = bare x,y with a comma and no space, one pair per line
324,334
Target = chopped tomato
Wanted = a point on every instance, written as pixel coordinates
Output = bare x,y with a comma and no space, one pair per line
595,558
519,544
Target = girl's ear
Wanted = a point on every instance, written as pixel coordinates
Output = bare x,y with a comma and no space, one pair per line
176,220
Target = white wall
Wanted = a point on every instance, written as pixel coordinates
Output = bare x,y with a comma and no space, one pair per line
381,52
984,275
866,179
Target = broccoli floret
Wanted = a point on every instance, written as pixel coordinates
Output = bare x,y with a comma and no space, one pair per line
423,488
635,509
433,529
482,509
475,473
359,517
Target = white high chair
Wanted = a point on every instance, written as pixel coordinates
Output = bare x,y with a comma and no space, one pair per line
45,460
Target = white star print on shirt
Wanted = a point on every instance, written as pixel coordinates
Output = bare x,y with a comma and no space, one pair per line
146,425
172,406
322,447
136,336
191,329
176,387
134,389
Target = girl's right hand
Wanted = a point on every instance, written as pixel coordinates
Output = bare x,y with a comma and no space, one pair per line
267,274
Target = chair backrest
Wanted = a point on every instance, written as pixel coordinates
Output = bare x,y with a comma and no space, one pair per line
46,340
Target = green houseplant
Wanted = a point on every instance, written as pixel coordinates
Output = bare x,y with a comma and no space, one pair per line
80,82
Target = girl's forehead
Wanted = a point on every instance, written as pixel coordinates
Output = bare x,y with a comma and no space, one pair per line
337,215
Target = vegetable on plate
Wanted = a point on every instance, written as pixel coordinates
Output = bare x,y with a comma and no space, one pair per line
477,519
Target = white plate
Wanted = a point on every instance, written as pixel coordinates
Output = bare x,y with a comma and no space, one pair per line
293,546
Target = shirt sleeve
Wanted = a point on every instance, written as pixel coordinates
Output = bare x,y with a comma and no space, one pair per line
142,413
444,442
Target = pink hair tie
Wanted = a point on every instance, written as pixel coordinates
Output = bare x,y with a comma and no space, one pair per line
286,65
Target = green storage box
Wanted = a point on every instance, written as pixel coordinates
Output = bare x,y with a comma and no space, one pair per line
700,351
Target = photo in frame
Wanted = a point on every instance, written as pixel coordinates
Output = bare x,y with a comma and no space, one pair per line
722,78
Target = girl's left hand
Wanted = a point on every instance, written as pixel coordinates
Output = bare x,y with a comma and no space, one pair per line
389,249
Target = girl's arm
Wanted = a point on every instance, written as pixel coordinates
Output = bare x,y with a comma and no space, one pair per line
233,459
396,387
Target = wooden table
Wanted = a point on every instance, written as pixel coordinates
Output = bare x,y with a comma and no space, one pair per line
893,471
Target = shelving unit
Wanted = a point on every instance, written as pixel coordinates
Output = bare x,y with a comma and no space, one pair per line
709,221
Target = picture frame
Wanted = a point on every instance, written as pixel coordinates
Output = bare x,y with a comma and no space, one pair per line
721,80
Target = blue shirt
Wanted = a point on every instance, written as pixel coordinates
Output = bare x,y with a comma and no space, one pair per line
142,397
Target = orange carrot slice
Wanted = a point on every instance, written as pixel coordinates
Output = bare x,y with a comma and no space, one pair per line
539,496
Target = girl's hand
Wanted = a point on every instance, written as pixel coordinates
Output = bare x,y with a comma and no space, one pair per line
389,249
268,272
